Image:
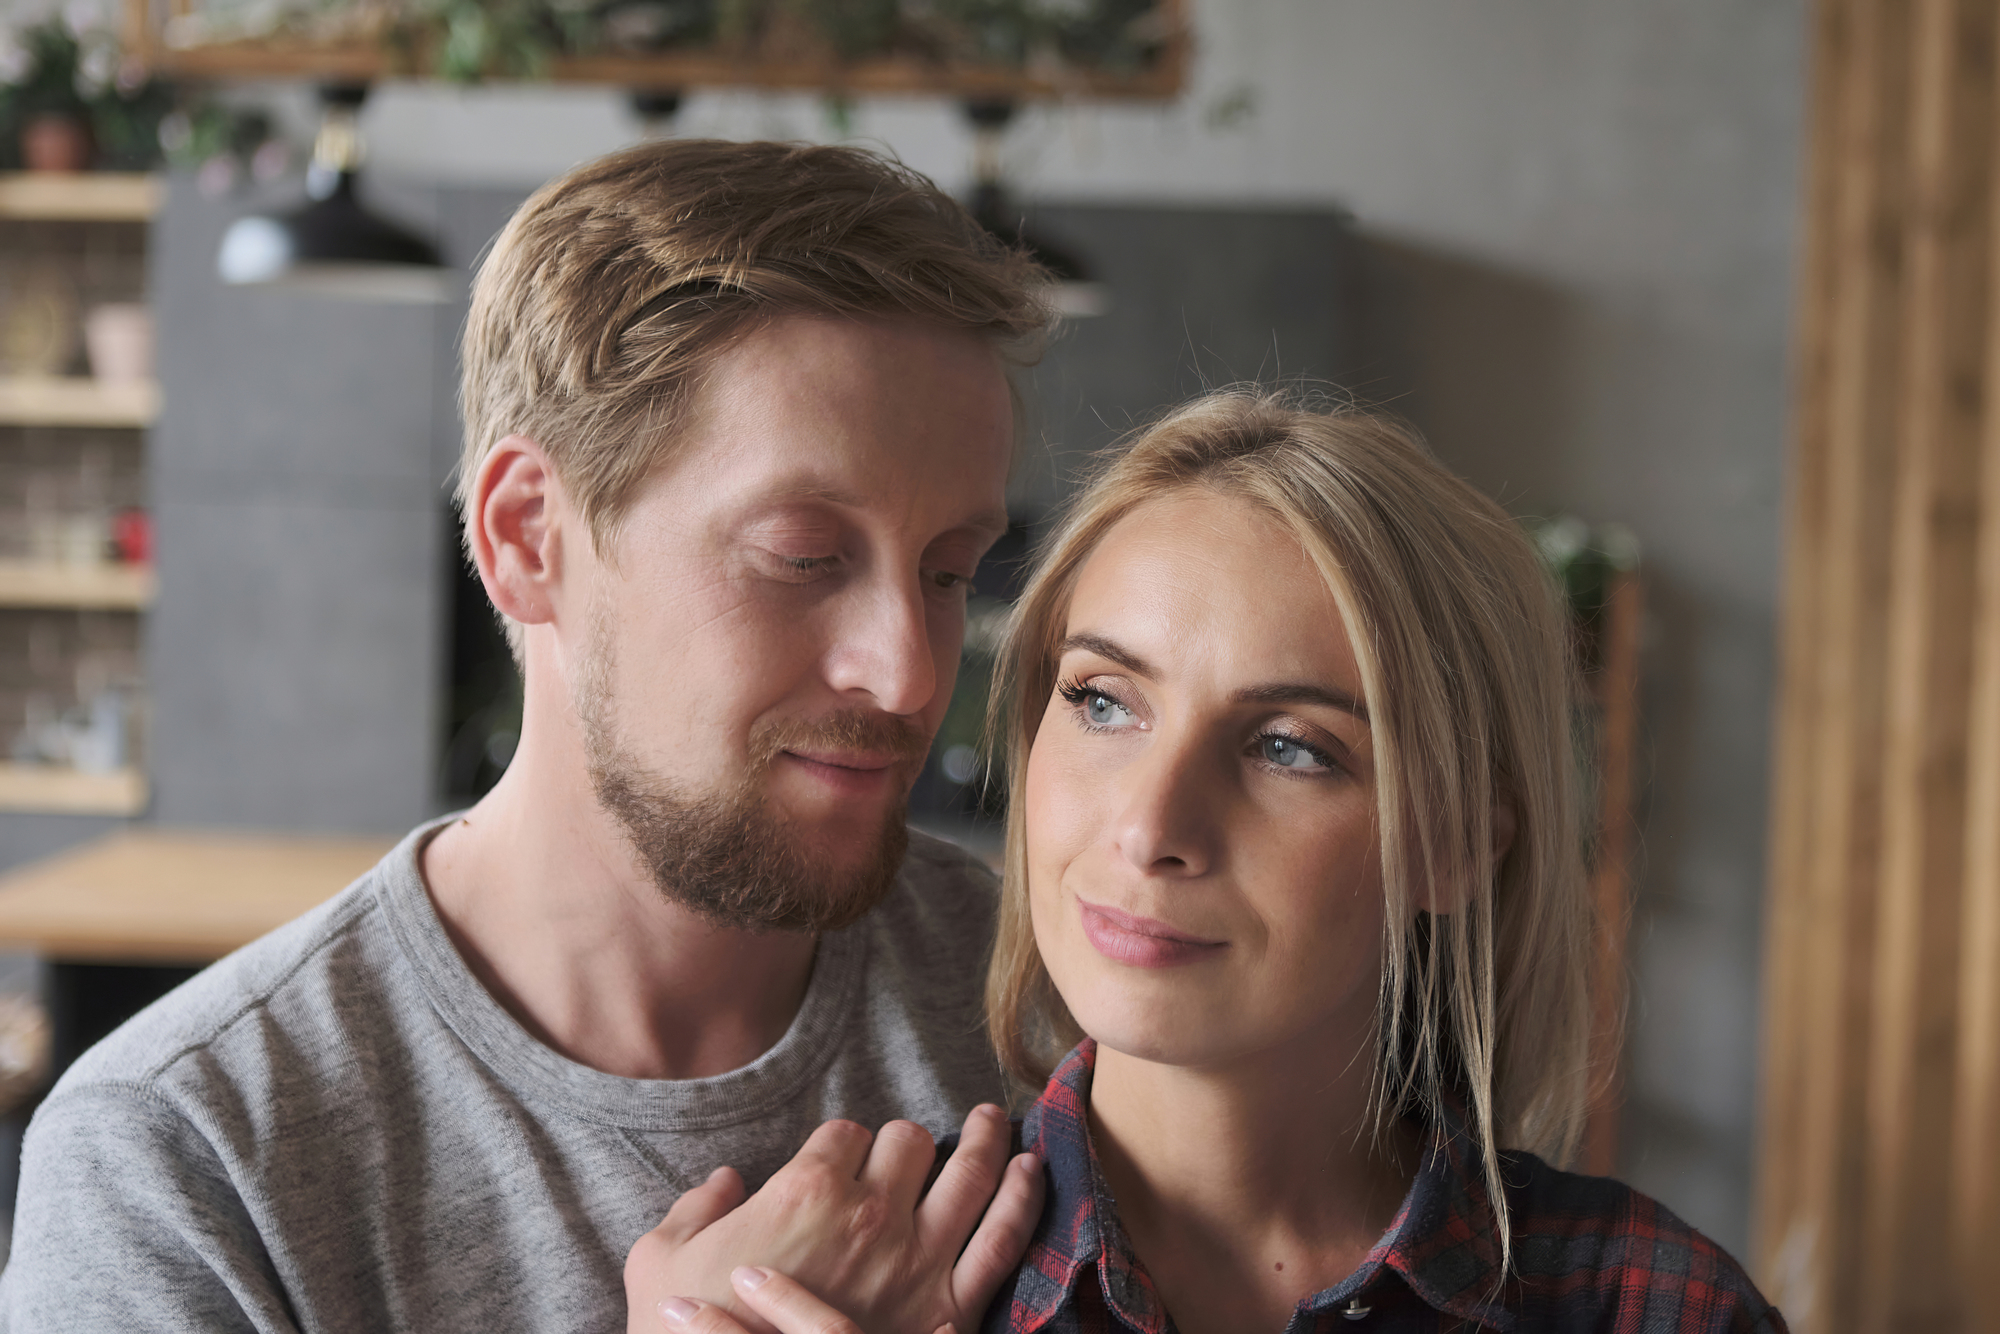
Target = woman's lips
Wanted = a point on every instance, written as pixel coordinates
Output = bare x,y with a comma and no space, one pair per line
1142,942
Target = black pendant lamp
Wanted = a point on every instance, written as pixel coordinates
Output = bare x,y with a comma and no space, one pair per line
1074,293
333,246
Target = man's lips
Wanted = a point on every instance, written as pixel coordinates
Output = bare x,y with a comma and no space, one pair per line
849,772
860,761
1142,942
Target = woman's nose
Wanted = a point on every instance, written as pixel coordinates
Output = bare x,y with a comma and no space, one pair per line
1165,822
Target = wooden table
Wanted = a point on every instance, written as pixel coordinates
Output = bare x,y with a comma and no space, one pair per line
124,919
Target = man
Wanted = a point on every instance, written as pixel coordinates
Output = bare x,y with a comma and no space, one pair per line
737,429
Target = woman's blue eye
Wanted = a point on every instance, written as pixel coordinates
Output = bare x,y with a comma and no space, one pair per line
1286,753
1097,708
1102,709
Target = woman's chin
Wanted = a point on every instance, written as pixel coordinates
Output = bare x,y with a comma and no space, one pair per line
1162,1036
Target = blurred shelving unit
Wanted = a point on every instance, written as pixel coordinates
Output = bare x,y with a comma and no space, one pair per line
57,607
48,788
104,196
100,587
76,400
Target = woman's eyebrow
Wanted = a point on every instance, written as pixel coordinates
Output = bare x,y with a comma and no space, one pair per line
1105,648
1302,692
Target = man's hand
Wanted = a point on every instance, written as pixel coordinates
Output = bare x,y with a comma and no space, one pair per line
849,1219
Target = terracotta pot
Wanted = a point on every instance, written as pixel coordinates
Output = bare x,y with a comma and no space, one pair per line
56,142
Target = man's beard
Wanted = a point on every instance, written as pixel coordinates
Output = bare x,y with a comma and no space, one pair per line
725,854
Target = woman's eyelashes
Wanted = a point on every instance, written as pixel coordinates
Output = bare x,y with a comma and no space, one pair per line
1293,754
1095,708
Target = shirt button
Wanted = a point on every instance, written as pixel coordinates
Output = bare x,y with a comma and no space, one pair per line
1354,1310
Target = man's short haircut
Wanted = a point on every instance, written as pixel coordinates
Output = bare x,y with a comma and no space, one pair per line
613,288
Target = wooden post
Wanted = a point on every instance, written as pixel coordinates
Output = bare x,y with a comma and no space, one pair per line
1617,705
1883,933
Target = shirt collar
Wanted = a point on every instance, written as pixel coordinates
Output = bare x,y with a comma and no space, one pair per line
1444,1242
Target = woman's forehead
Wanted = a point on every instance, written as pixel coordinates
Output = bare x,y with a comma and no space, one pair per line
1211,584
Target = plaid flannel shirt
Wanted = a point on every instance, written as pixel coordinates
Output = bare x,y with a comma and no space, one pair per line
1589,1253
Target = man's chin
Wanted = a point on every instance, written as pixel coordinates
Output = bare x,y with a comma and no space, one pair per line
743,864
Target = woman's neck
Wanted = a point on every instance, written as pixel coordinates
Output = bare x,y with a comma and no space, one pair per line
1247,1188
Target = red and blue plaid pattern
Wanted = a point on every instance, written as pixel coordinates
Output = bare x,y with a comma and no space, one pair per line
1589,1253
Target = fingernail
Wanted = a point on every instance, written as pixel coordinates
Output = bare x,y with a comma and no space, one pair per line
676,1311
713,1175
1031,1163
747,1278
992,1112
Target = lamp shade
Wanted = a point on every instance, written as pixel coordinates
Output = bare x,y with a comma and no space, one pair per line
333,246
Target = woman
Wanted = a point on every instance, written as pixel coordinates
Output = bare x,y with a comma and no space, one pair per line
1293,874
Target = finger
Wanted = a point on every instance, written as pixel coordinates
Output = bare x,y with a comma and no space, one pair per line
960,1194
899,1163
787,1304
697,1208
1003,1235
839,1145
689,1316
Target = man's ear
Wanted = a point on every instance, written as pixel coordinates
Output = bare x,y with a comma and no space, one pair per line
514,532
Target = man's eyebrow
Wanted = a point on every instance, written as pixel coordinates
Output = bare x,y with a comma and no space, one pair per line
993,521
816,491
1105,648
1302,692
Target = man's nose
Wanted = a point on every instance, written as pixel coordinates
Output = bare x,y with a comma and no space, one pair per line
882,647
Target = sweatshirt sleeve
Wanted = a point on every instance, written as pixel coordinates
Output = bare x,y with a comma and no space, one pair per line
127,1220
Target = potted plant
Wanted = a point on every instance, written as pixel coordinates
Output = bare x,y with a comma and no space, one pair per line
68,98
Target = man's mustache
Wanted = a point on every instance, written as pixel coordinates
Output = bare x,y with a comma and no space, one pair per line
849,729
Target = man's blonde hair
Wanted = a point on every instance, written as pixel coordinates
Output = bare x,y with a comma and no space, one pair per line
1461,641
612,289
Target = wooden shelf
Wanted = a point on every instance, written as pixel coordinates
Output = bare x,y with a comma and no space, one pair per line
147,894
273,59
75,400
84,196
105,587
36,787
291,57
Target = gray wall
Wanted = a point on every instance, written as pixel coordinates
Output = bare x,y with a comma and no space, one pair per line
1583,214
1273,297
293,656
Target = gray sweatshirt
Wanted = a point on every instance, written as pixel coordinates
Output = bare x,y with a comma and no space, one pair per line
337,1128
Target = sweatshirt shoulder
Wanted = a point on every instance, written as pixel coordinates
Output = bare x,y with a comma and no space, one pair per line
943,890
942,866
299,975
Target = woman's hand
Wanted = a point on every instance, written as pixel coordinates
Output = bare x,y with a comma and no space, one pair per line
783,1303
849,1219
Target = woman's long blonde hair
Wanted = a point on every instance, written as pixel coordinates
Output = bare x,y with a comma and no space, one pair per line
1460,637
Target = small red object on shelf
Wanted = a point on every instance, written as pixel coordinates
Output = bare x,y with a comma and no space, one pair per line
132,534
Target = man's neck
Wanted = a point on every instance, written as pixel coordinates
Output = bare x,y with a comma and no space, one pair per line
549,907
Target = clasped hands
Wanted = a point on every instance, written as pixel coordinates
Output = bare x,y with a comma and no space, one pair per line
844,1238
